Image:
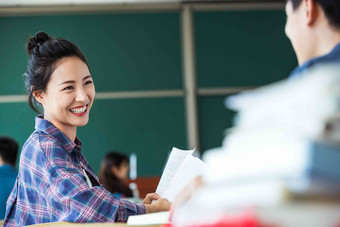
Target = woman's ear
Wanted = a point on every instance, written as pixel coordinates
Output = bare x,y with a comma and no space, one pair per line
37,94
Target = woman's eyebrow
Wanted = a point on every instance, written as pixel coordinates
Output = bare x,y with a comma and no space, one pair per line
67,82
72,81
89,76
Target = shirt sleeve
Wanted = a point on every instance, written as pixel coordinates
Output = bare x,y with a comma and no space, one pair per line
70,199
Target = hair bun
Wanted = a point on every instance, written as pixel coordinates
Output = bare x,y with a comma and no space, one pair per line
36,41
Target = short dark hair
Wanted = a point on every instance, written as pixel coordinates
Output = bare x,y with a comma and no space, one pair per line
331,8
8,150
45,51
295,3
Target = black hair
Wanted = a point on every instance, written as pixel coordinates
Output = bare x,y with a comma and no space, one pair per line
331,8
108,179
8,150
45,52
295,3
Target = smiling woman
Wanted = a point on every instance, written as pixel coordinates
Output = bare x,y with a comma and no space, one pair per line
55,182
68,97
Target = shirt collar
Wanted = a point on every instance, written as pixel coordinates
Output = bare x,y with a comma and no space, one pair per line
320,59
47,127
336,49
7,167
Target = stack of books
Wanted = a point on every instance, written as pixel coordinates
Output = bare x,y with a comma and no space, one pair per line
281,160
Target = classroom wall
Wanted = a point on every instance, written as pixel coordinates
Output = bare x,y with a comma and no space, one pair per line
142,51
237,48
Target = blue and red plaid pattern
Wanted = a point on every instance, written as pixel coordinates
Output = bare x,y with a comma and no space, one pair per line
51,186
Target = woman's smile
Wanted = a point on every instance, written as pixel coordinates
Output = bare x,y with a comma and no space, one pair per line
79,110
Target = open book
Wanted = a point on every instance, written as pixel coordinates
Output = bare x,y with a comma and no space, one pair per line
181,168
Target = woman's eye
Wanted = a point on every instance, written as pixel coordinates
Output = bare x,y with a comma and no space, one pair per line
68,88
88,82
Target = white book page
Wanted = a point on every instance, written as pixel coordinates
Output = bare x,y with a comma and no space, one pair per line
190,168
188,161
175,160
157,218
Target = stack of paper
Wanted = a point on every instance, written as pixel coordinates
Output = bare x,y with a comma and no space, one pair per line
180,169
283,131
303,107
284,148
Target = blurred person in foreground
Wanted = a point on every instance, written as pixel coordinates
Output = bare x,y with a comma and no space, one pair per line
313,27
114,174
8,174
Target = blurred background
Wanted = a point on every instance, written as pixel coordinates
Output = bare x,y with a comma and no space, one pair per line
162,68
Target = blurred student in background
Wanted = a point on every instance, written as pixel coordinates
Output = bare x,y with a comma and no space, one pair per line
114,174
313,27
8,174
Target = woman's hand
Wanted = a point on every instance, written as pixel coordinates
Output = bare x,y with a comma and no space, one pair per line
160,204
149,197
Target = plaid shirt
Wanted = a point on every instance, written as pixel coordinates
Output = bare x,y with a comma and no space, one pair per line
51,186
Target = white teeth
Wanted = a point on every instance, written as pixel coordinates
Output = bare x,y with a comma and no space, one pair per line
79,110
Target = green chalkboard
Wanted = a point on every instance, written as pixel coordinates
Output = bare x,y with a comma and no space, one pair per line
125,51
242,48
16,121
237,48
214,120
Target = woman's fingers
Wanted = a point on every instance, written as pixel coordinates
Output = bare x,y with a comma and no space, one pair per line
149,197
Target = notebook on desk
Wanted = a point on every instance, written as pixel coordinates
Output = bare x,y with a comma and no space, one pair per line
158,218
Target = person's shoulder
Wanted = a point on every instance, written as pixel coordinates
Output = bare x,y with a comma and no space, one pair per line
43,152
40,142
331,58
8,171
51,146
39,139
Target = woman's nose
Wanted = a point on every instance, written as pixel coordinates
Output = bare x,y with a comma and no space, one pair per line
81,95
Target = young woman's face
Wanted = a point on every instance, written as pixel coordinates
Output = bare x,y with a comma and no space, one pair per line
122,171
69,95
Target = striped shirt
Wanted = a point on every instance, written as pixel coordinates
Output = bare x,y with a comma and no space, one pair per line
51,185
